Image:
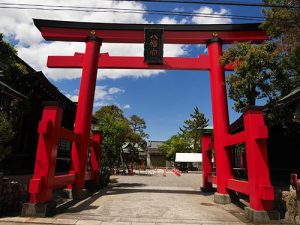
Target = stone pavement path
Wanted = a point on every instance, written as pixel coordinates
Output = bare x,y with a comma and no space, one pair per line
142,199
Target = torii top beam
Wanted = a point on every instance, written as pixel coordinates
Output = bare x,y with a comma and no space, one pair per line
134,33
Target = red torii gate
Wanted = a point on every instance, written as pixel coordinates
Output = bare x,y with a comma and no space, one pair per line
258,186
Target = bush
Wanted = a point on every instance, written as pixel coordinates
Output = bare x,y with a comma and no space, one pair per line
104,176
6,135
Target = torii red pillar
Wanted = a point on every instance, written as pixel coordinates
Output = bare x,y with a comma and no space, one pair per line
207,166
220,113
85,108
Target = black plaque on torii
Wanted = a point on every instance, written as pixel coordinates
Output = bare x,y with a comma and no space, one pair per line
154,46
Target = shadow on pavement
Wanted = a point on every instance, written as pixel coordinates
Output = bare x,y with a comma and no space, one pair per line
129,185
84,204
125,189
77,206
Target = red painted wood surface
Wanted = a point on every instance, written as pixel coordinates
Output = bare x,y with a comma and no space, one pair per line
220,115
133,62
258,186
133,36
255,133
50,132
206,160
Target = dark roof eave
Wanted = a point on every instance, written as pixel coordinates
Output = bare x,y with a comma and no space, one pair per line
13,91
42,80
294,95
168,27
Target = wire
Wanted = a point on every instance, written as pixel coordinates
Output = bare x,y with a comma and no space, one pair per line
214,3
90,9
123,10
44,7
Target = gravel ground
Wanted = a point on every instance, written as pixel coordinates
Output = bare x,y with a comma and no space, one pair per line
191,180
150,198
156,178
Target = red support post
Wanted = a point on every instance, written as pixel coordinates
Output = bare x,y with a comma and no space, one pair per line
41,185
95,155
220,114
261,191
243,161
85,108
206,161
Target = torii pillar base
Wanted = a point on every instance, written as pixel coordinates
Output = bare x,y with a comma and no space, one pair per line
222,198
39,209
262,217
79,194
207,189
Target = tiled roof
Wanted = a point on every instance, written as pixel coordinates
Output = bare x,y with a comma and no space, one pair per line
155,144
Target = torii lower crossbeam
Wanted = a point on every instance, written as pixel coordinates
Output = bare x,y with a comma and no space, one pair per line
132,62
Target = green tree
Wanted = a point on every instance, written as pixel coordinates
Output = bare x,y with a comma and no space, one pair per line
283,25
192,128
6,135
114,128
14,72
137,134
270,70
257,73
175,144
138,125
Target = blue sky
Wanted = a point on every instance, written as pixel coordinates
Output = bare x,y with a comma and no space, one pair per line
163,99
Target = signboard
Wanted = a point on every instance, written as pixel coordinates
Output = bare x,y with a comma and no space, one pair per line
188,157
154,46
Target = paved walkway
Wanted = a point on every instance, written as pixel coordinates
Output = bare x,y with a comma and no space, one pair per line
143,199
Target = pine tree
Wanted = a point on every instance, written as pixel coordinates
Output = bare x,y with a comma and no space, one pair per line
192,127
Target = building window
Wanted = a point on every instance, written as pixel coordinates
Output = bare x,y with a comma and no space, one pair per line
239,162
64,148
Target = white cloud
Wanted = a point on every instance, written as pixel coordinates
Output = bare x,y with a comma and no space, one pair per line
184,21
178,9
127,106
106,96
119,73
210,19
17,26
100,104
103,95
167,20
172,20
36,55
114,90
73,98
202,48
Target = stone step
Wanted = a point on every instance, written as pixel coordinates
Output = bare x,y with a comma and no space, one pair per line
143,220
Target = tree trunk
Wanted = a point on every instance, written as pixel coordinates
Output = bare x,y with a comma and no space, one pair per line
251,96
195,143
